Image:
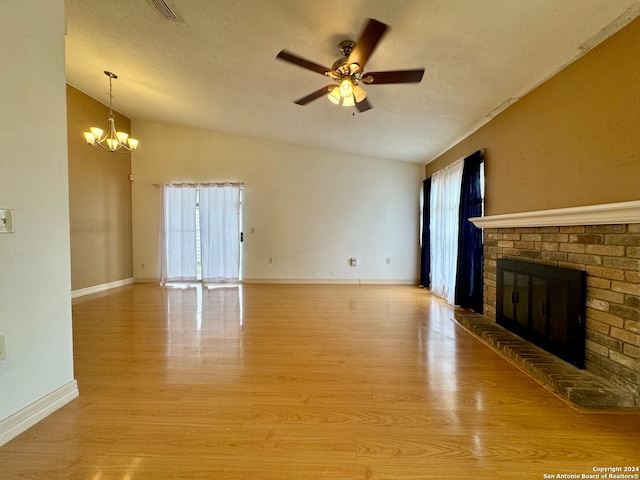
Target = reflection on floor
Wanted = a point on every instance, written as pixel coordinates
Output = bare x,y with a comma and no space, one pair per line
302,382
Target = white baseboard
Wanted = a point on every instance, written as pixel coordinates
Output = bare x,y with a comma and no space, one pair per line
330,281
310,281
386,281
100,288
146,280
26,418
275,281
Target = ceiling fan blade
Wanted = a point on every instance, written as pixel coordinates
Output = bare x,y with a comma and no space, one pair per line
301,62
393,76
368,41
313,96
363,105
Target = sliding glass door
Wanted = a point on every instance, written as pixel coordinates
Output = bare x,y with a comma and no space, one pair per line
220,232
201,233
178,233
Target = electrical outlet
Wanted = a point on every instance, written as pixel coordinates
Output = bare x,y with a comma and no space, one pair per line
270,260
388,260
353,261
3,350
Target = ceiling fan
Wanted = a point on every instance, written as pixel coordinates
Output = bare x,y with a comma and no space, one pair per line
348,71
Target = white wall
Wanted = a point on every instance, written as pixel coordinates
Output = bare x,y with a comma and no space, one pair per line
311,210
35,315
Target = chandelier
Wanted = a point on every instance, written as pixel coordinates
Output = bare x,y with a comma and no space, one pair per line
110,140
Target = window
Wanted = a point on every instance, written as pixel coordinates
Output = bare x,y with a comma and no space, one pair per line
444,214
452,251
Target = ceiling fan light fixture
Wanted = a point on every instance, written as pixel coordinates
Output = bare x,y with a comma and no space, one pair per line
348,101
334,95
359,93
346,87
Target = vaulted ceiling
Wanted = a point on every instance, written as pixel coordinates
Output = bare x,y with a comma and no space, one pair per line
216,68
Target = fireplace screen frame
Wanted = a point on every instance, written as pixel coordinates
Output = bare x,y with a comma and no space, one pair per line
545,305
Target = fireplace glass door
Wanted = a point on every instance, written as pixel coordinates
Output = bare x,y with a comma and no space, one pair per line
545,305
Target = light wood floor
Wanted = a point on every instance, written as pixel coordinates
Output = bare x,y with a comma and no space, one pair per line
302,382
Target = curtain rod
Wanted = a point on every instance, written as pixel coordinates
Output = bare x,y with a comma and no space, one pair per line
206,184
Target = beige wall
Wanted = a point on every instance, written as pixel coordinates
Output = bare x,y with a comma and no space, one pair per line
99,198
308,209
575,140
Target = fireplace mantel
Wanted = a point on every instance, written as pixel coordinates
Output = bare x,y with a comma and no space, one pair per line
605,214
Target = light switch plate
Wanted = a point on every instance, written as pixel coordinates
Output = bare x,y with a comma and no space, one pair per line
6,221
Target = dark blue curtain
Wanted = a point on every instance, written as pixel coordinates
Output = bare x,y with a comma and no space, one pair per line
425,259
469,284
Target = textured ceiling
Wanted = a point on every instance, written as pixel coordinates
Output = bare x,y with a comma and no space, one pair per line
218,71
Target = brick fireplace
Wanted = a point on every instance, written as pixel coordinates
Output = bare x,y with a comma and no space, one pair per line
603,241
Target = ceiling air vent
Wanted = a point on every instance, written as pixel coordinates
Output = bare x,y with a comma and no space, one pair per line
166,10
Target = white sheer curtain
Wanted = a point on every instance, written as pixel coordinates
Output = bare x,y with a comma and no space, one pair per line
220,232
444,224
178,234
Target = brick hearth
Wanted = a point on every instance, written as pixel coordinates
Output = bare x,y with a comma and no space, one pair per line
579,386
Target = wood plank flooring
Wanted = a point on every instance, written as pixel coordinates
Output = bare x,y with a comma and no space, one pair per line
303,382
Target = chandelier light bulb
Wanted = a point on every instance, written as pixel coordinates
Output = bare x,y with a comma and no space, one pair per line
122,137
113,144
88,136
97,133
